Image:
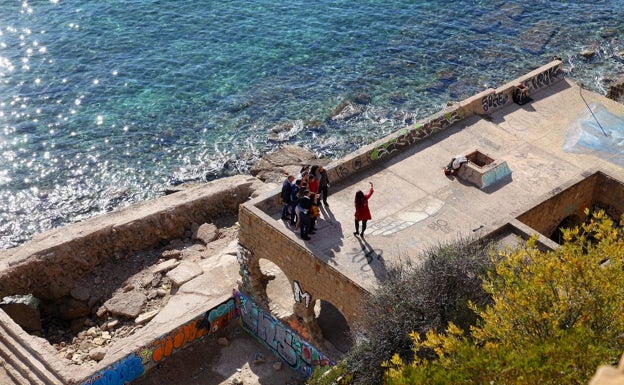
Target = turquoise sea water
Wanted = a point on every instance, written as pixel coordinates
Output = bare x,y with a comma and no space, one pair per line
105,103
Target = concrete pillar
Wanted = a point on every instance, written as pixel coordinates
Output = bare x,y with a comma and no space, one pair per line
308,319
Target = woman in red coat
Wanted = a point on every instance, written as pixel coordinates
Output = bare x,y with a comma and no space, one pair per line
362,213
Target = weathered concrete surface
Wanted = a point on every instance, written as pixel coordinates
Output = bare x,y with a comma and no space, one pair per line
415,206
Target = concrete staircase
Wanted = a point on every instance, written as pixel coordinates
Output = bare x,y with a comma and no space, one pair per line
24,364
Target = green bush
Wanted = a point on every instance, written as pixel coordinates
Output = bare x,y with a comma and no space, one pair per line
556,316
418,296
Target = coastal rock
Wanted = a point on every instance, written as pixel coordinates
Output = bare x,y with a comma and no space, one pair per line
446,75
588,53
97,354
363,98
146,317
80,292
282,132
274,167
126,304
536,36
345,111
184,273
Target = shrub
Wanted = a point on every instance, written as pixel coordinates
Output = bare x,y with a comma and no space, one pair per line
418,296
556,317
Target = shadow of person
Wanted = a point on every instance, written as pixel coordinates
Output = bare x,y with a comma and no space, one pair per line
374,258
327,213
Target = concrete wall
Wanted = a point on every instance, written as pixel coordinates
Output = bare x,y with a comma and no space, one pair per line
145,352
483,103
591,191
286,344
49,265
314,277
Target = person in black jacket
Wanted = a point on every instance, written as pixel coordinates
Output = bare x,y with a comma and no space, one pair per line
305,207
294,197
285,197
321,174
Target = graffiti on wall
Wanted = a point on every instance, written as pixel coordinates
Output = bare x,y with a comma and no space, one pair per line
494,101
543,79
407,137
135,364
301,295
120,373
281,340
210,322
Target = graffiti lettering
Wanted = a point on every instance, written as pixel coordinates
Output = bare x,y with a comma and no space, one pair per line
545,78
407,137
120,373
494,101
283,341
301,295
440,225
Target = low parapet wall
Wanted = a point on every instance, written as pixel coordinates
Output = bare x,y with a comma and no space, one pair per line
483,103
49,265
146,353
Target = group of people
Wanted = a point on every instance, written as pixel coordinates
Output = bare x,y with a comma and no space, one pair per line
302,196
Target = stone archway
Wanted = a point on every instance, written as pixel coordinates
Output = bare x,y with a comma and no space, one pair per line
334,327
278,290
568,222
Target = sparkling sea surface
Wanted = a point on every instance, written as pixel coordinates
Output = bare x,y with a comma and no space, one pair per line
107,103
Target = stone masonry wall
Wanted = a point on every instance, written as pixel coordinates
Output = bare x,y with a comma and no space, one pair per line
314,277
592,191
49,265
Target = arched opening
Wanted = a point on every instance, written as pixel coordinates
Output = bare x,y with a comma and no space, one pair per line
335,329
568,222
314,319
278,290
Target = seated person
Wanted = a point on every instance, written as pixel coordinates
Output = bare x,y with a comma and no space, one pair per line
455,164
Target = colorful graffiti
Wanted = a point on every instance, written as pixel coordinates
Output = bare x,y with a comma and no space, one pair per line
301,295
120,373
280,339
134,365
215,319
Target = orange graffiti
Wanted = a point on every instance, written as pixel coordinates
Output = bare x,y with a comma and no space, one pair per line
176,339
299,328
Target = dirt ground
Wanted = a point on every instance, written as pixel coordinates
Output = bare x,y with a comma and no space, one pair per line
242,361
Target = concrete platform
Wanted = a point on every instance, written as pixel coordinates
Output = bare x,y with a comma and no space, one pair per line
415,205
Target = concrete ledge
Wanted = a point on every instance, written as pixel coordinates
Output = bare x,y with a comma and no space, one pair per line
483,103
49,264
